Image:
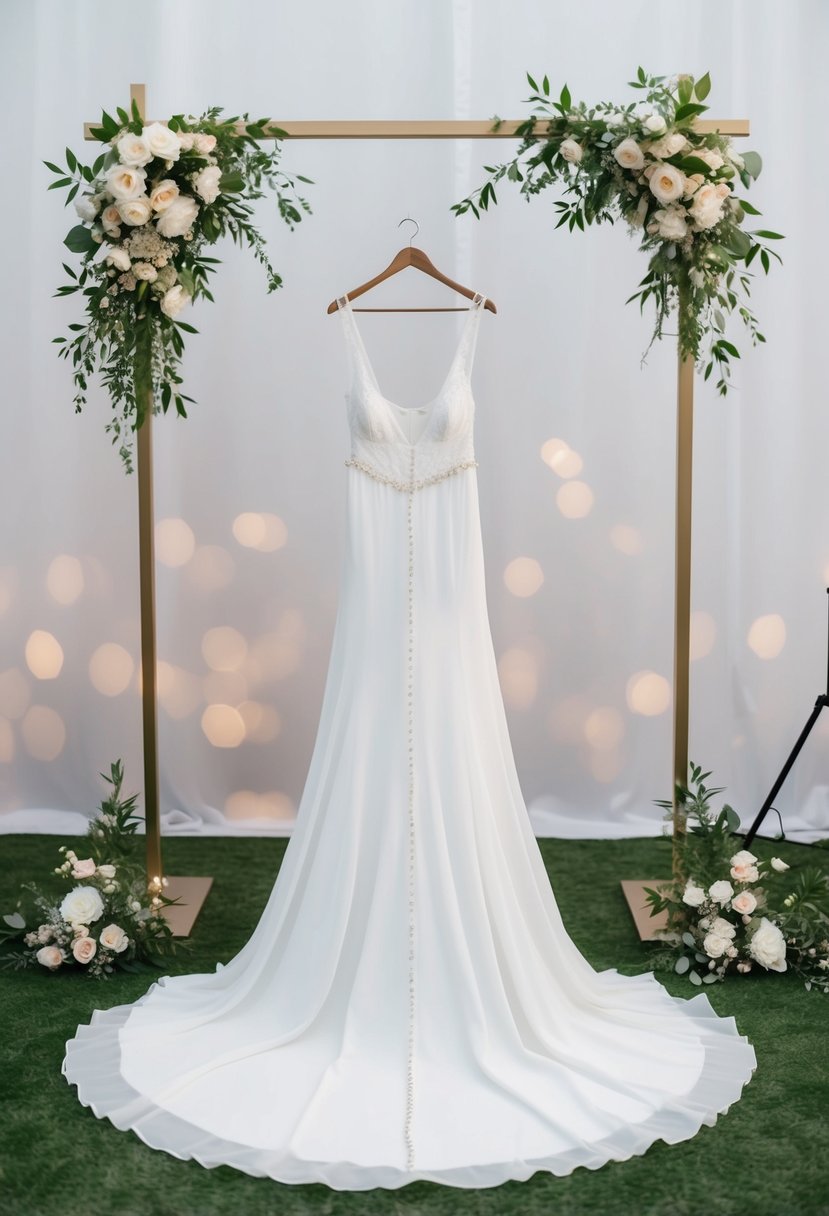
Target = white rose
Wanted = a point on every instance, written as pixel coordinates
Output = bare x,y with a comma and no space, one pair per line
174,300
204,143
711,157
162,141
206,183
106,871
87,207
706,209
125,181
744,903
119,258
615,120
667,182
571,151
141,270
667,146
163,194
81,905
178,217
715,946
134,150
84,949
768,946
723,927
721,891
135,211
779,865
111,220
654,123
629,155
49,956
114,938
669,223
186,140
693,896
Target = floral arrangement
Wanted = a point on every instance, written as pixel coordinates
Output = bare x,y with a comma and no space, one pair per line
149,206
674,187
108,920
734,912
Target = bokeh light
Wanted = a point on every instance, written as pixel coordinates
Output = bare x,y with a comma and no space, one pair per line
43,732
518,674
262,722
223,725
626,539
111,669
260,530
767,635
15,693
224,648
523,576
211,568
648,693
703,634
64,579
175,542
44,654
248,804
574,499
604,728
6,741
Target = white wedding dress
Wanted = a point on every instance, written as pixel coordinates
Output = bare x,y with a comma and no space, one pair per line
410,1005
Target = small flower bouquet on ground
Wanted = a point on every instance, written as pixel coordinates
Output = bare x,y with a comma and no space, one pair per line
108,920
733,912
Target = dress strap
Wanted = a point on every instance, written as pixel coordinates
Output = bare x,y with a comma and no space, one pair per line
469,336
361,367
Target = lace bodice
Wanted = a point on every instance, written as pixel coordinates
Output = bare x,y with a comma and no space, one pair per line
411,448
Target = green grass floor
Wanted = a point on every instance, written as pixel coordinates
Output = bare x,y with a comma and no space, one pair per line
766,1157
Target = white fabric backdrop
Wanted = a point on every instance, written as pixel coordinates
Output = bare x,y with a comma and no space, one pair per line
560,360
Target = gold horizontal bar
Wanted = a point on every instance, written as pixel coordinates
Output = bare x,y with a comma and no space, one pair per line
439,128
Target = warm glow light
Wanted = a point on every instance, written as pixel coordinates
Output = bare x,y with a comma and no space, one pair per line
567,463
575,499
223,725
6,741
604,728
276,533
262,722
224,648
626,539
518,673
606,765
703,634
15,693
64,579
174,541
249,529
553,448
278,653
179,691
767,636
523,576
211,568
227,687
44,654
44,733
648,693
111,668
247,804
567,718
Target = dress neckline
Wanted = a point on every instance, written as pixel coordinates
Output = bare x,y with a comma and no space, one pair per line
345,307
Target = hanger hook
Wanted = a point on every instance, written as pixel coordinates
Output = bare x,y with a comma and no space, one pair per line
408,220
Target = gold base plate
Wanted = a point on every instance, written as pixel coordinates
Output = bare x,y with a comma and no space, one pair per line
650,928
192,892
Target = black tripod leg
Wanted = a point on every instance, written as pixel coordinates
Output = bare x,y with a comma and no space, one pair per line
784,772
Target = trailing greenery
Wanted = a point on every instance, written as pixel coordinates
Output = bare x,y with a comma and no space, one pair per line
674,187
151,205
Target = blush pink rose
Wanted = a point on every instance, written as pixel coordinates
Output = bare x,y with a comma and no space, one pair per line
83,869
84,949
744,903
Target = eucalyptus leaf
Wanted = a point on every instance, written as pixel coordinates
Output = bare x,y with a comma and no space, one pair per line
682,964
695,978
753,164
15,920
688,939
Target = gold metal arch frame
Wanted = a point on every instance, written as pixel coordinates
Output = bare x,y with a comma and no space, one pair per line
193,891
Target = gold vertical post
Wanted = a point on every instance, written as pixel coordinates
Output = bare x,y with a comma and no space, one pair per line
682,596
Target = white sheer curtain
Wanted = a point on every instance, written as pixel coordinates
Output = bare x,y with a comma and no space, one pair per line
250,489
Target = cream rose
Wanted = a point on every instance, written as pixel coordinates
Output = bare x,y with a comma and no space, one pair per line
723,927
744,903
186,139
176,219
571,151
204,143
50,956
163,194
106,871
161,141
778,864
629,155
125,181
654,123
693,896
111,220
83,869
84,949
119,258
667,183
114,938
134,150
81,905
206,183
135,211
706,209
669,145
721,891
768,946
141,270
711,157
174,300
669,223
715,945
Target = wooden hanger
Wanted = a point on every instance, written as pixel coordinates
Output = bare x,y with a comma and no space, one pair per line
410,256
